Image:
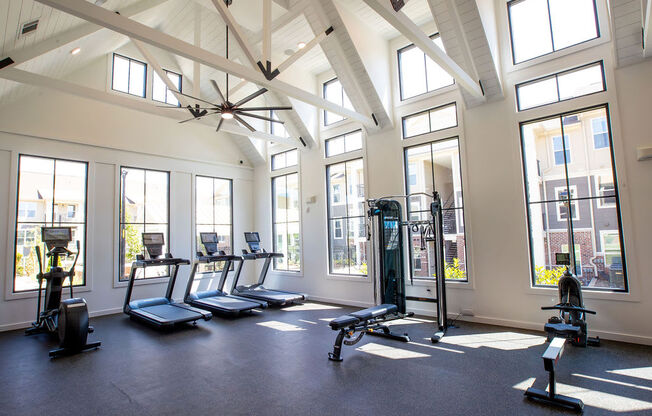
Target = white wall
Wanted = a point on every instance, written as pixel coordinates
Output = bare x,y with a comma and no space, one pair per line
499,290
59,125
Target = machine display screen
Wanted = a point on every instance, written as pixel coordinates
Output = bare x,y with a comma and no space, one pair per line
153,239
562,258
252,237
391,230
208,237
50,234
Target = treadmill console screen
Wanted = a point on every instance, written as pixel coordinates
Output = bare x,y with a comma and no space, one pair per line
562,259
209,240
56,236
153,243
253,240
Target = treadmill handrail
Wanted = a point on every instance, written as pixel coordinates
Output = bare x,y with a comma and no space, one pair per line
214,258
159,262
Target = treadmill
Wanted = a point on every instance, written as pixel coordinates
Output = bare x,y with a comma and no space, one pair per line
217,301
258,291
160,312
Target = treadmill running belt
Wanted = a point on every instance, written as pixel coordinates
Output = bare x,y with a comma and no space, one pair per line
272,294
170,313
227,303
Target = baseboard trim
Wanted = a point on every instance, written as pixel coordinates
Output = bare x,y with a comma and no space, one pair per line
23,325
510,323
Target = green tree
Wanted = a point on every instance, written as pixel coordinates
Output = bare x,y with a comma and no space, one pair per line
453,270
133,241
548,276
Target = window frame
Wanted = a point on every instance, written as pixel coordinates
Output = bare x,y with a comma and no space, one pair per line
428,111
599,193
556,76
325,122
559,202
128,75
343,136
154,75
343,218
462,208
286,222
121,261
272,126
284,152
400,75
213,178
560,115
568,158
596,12
16,222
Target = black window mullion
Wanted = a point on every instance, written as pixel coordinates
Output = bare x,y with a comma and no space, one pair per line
287,221
425,69
552,35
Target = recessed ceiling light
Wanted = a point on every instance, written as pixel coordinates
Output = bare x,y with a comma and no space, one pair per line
301,45
75,51
227,115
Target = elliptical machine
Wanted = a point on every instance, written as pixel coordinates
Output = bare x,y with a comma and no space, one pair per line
68,319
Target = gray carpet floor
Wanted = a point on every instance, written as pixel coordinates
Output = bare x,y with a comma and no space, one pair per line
275,362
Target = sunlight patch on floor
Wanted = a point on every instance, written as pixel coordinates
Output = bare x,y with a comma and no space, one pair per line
281,326
644,373
620,383
308,322
389,352
434,347
506,341
309,307
409,321
326,319
594,398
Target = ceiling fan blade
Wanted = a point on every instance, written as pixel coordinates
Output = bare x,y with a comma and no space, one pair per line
244,123
219,124
251,97
258,117
264,108
195,118
198,99
219,92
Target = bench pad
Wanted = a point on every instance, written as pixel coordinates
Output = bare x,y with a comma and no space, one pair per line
362,315
343,321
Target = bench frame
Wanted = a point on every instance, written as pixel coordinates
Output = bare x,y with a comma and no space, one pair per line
550,358
373,326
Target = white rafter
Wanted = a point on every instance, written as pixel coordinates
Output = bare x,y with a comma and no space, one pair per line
267,31
300,52
130,28
281,21
24,77
72,35
415,35
160,72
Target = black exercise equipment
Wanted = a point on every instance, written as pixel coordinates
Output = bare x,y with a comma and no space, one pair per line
216,300
384,217
550,358
571,322
67,319
160,312
257,291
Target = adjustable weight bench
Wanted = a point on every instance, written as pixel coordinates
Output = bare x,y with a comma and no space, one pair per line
550,358
366,321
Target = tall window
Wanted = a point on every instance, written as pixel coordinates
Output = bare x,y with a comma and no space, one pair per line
334,93
51,192
129,75
277,129
540,27
418,74
161,92
345,143
346,218
286,222
436,167
213,210
561,150
559,193
144,207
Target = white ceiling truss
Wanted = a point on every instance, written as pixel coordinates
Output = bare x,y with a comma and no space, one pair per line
271,37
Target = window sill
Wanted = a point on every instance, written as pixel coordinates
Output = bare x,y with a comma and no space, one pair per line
349,278
287,273
587,294
425,96
32,294
450,284
140,282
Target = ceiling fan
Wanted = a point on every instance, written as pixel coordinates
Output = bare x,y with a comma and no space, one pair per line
228,110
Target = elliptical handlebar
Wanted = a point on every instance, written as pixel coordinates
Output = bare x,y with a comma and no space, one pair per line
568,308
40,260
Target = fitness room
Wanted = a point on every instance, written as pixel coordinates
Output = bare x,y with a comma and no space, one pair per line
272,207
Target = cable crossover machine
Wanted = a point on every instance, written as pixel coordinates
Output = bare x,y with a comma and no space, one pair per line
385,231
